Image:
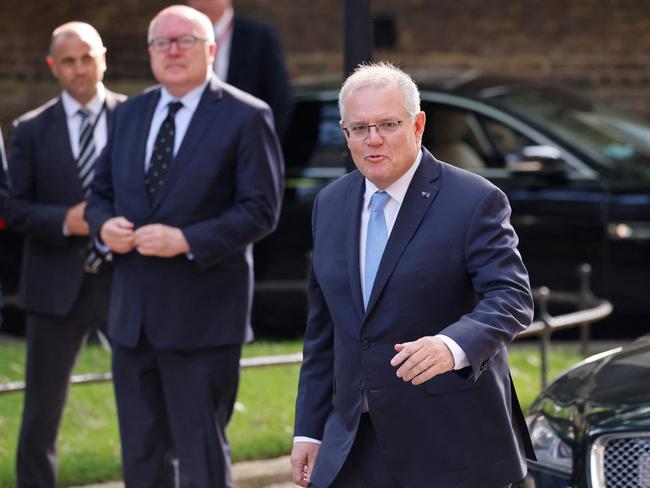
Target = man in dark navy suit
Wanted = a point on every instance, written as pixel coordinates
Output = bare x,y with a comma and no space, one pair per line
190,178
64,285
249,56
416,289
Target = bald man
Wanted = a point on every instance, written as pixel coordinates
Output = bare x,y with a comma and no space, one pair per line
64,284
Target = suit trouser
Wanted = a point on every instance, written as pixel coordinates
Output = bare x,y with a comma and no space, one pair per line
366,466
53,345
175,405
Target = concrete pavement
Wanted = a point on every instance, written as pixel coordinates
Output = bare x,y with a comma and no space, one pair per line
266,473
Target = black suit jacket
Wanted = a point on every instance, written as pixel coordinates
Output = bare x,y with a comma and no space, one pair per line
256,66
450,267
45,184
223,190
4,183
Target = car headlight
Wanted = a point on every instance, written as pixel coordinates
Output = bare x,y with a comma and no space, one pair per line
629,231
550,449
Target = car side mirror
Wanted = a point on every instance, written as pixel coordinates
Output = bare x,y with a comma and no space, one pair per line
541,161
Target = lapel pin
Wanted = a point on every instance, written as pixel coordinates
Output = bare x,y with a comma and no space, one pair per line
425,194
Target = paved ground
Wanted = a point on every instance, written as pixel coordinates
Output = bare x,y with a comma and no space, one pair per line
267,473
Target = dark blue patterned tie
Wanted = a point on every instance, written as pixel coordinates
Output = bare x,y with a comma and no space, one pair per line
163,152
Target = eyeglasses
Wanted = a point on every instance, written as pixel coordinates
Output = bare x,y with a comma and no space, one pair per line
385,129
183,43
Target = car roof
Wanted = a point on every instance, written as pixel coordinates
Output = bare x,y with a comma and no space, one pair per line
468,82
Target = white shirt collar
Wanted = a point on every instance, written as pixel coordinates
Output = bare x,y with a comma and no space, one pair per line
224,21
190,100
72,106
397,190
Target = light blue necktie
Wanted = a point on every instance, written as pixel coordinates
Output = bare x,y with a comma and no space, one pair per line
376,238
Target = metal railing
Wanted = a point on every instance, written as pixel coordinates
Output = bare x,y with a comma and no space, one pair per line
591,309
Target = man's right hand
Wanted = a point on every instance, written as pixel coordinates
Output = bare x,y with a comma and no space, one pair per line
117,233
75,223
303,458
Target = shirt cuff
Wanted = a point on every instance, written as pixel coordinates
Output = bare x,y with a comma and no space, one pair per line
302,438
460,358
66,232
101,247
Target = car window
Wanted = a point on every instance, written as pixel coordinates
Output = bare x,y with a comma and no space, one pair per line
469,140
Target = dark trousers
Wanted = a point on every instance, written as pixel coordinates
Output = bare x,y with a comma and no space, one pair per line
366,466
175,405
53,345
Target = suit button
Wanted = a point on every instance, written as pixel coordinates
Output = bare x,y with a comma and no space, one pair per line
365,344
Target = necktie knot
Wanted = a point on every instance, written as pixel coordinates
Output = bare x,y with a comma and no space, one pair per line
378,201
173,108
84,112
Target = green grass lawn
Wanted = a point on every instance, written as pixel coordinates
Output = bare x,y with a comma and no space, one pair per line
261,426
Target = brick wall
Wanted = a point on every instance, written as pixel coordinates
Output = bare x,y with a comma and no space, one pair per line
600,46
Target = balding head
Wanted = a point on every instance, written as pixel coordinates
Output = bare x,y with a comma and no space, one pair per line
85,32
77,59
201,21
181,48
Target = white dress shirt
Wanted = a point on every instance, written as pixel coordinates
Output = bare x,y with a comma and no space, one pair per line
223,37
74,119
181,121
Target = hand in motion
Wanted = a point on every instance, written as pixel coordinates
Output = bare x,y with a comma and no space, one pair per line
74,220
117,234
160,240
421,360
303,458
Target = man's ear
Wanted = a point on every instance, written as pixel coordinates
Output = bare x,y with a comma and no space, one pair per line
52,65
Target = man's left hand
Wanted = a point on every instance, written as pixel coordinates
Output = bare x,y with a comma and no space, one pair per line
423,359
160,240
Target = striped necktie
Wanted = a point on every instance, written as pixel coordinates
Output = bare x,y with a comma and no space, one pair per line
86,159
86,167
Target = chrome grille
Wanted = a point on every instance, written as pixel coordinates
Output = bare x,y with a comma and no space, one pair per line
621,461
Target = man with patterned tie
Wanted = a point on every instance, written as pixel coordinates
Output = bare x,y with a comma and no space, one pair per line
191,177
414,294
64,285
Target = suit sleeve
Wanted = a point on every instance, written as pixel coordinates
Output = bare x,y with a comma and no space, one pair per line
500,281
24,214
258,196
316,383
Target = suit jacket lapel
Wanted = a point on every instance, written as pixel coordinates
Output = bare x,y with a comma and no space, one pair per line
201,120
421,193
60,144
354,202
111,103
141,127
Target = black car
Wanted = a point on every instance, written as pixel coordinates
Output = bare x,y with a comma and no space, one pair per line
591,426
577,176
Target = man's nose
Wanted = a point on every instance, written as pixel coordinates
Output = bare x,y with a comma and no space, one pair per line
173,47
373,137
